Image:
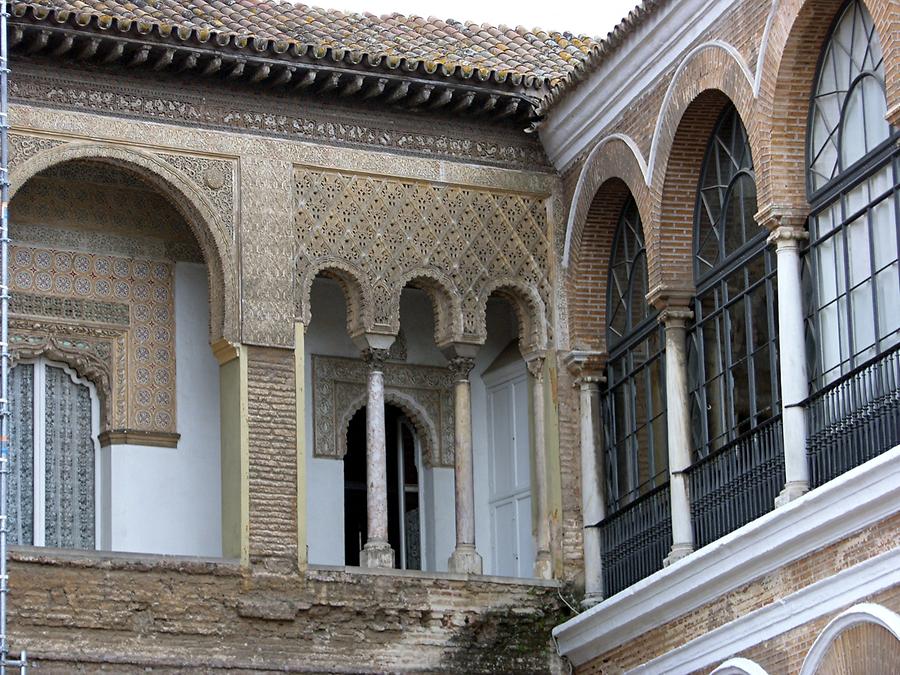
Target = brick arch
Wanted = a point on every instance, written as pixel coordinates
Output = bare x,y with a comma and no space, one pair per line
445,301
614,156
798,33
586,281
189,201
528,307
356,294
690,120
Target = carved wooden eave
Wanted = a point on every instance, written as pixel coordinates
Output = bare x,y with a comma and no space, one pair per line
414,85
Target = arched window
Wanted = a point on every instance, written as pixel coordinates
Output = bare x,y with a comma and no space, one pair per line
732,356
53,457
852,270
635,423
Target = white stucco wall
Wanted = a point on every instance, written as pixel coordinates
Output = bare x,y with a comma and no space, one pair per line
168,500
327,335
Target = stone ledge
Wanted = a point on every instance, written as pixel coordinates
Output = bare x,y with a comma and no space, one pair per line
112,560
319,572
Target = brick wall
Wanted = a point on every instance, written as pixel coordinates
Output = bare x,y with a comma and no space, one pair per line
273,458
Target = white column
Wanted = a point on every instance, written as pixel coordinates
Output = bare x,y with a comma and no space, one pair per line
792,360
543,563
678,417
377,552
593,487
464,559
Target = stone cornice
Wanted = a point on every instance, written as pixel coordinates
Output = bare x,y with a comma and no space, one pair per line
155,439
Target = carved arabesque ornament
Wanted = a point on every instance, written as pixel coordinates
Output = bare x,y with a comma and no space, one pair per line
376,235
424,393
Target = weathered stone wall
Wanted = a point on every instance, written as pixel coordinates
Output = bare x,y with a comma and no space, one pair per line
86,614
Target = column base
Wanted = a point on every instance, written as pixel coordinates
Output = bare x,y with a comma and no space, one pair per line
377,554
791,491
591,599
678,552
465,560
543,565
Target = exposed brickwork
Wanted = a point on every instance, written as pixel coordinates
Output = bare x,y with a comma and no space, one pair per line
760,592
87,614
273,458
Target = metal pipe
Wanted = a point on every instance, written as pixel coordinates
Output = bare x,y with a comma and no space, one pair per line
5,661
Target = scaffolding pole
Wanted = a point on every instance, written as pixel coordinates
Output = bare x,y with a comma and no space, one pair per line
5,660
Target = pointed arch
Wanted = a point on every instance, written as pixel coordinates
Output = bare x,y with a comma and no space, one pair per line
189,201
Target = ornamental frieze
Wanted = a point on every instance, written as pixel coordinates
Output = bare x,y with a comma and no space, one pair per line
272,116
424,393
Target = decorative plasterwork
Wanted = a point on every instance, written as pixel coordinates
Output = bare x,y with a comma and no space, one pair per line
208,219
149,100
376,235
215,178
424,393
130,301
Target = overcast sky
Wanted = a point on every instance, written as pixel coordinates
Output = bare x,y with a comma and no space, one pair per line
584,17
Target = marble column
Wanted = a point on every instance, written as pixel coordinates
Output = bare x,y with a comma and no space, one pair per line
543,563
377,552
678,417
792,360
464,559
593,486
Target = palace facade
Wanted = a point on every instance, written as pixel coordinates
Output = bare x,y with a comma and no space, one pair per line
359,344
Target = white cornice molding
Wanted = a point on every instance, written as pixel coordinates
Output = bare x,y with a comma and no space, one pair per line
644,56
863,496
808,604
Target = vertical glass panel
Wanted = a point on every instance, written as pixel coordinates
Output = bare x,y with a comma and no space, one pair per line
21,454
69,462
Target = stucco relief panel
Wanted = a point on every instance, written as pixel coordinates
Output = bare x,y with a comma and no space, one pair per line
385,232
424,393
114,312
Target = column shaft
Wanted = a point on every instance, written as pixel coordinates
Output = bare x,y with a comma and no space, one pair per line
465,559
792,361
678,418
593,489
543,563
377,552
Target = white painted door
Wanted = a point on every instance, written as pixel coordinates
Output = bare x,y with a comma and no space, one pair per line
510,472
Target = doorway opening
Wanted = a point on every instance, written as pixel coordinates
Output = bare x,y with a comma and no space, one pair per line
405,513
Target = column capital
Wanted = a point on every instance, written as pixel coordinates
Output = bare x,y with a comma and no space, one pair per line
460,367
788,237
772,216
590,381
675,317
535,366
671,296
893,115
375,358
582,362
225,351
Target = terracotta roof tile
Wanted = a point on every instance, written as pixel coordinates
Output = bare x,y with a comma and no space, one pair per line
551,57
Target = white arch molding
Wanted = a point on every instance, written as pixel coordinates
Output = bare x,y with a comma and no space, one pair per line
739,666
857,615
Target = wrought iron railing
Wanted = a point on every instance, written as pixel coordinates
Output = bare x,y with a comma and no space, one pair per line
737,483
855,418
635,540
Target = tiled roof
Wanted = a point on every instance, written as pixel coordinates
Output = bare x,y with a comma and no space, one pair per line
534,57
